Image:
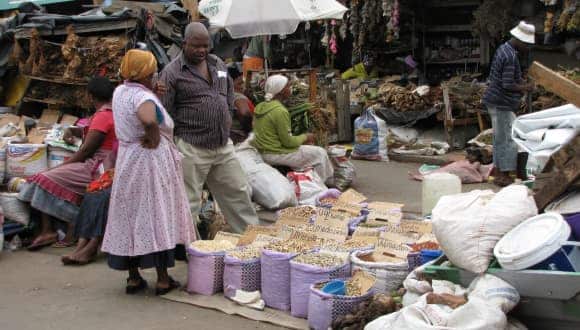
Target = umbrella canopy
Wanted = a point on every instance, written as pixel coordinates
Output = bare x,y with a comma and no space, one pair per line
248,18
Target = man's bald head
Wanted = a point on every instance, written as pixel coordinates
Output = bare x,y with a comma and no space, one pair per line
195,30
196,43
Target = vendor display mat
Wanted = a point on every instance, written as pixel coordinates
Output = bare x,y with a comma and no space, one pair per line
220,303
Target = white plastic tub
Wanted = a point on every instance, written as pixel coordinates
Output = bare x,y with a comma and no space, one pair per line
540,242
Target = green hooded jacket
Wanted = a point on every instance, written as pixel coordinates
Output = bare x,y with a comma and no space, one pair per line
272,129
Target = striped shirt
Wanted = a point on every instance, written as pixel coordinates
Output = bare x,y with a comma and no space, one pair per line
504,75
201,109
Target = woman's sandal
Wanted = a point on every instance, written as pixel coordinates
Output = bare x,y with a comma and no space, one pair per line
35,246
173,284
63,244
133,289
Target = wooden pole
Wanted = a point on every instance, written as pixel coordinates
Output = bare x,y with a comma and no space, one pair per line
191,6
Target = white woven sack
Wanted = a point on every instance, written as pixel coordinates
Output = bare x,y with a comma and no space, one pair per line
389,276
468,226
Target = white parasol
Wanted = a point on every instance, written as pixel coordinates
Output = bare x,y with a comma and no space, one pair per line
249,18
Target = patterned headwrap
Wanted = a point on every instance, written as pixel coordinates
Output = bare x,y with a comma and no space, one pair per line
138,64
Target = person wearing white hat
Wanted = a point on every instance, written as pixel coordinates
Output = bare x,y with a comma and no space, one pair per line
503,96
273,135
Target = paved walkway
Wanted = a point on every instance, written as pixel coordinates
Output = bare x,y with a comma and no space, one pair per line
37,292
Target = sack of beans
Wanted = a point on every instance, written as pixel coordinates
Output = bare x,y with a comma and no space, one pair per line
242,271
347,248
275,265
324,308
310,268
389,274
327,198
206,266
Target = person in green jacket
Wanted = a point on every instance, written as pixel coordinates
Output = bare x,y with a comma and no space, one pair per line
273,137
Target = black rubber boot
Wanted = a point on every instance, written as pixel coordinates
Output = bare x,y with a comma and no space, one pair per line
521,171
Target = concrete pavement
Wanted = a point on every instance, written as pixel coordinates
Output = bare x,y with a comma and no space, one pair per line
37,292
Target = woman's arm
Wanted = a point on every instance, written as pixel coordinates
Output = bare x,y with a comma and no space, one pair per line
93,141
70,133
148,117
283,129
243,115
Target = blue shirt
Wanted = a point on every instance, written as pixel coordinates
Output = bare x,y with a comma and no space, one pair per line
504,75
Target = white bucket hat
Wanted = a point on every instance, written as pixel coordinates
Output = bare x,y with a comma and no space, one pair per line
524,32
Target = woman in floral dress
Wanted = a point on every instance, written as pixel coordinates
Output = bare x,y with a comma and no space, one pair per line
149,212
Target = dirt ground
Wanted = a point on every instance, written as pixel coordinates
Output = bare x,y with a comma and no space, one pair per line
37,292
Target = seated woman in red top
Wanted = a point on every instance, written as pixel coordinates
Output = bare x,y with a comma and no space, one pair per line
58,192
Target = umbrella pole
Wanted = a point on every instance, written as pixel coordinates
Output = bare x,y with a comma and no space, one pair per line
266,67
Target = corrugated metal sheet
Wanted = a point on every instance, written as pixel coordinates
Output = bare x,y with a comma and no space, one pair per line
13,4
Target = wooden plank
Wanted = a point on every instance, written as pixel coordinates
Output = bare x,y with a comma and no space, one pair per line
448,122
191,6
313,83
566,172
343,111
155,7
555,83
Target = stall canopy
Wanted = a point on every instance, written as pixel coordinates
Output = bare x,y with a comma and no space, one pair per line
249,18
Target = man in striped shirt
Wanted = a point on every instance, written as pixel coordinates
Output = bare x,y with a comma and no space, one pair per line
503,97
199,96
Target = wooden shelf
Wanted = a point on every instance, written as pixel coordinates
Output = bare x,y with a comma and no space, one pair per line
45,101
461,61
447,4
449,28
58,80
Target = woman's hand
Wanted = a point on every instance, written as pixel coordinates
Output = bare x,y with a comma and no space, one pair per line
152,137
147,115
68,136
310,138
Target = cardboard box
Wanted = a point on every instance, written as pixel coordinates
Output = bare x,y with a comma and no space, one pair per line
68,120
49,117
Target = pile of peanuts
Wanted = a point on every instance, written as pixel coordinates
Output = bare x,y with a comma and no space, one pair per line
288,246
319,259
247,253
212,246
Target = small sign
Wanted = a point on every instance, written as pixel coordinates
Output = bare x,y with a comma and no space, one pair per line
253,230
385,211
327,233
393,246
352,196
413,226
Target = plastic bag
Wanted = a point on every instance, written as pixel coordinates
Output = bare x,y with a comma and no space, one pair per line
389,276
241,275
466,171
302,276
489,300
307,185
14,209
344,170
269,188
325,308
276,279
468,226
3,151
205,272
26,159
370,142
